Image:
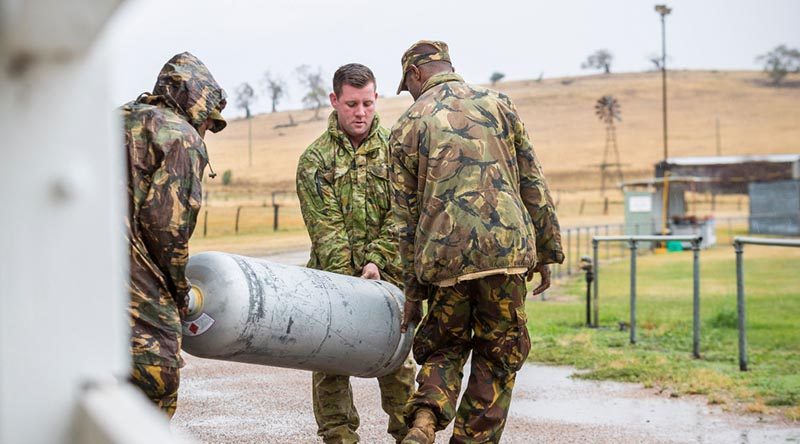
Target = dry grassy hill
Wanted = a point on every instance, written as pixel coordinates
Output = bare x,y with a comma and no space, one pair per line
559,113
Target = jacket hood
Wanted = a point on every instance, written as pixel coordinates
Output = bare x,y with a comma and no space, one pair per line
186,85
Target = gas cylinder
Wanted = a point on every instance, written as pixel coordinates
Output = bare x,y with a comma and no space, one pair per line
256,311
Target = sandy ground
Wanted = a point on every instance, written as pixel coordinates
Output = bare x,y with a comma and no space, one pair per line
227,402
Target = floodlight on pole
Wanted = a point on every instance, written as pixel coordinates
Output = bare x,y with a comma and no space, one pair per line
663,11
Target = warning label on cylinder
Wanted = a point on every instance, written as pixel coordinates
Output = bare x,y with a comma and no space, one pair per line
198,326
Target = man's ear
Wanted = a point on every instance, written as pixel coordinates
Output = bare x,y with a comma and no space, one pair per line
334,99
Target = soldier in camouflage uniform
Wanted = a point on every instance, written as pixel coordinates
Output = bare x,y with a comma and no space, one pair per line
474,216
343,186
166,157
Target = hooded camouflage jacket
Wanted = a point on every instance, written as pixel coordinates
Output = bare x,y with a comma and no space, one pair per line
470,197
166,157
345,200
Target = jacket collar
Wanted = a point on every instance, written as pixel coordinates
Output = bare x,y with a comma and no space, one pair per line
342,139
438,79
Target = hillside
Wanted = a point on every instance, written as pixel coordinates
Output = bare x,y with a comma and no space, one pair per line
559,114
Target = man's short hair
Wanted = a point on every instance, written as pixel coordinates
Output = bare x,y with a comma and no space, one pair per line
353,74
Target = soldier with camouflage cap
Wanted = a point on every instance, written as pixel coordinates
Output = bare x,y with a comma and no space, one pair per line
474,216
343,186
166,157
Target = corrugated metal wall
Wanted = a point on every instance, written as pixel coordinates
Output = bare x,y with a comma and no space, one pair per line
775,208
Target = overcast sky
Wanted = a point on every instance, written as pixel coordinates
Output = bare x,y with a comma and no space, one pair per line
241,39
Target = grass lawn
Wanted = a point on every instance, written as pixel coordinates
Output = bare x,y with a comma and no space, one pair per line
662,356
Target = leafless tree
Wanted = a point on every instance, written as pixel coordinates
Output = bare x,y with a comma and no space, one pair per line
601,59
316,94
275,89
245,97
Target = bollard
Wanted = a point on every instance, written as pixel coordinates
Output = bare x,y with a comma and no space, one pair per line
596,322
696,299
633,245
586,266
739,248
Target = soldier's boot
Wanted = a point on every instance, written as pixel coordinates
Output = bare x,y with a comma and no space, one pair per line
423,429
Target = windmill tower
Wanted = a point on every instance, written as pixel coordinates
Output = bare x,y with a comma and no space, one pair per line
608,110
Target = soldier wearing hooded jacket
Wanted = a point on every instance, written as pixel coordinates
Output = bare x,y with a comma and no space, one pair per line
343,186
474,216
166,157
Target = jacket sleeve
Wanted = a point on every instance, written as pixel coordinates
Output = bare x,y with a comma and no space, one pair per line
169,213
404,153
536,197
323,216
382,251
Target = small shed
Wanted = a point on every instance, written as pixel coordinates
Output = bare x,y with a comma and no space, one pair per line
775,208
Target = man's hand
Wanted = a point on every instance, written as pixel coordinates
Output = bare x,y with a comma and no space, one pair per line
412,314
370,271
543,270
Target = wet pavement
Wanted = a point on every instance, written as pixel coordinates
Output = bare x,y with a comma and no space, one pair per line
227,402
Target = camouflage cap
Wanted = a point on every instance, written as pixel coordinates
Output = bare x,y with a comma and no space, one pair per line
420,53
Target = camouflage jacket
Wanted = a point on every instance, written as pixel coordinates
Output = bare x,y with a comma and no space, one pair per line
345,200
166,157
470,197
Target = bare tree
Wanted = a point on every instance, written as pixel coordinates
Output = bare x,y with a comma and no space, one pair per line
779,62
496,77
316,94
245,97
275,88
601,59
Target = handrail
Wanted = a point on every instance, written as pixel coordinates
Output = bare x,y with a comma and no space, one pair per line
738,245
633,241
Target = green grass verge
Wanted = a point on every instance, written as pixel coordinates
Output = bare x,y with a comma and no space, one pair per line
662,356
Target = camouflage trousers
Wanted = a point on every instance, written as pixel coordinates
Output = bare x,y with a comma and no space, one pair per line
485,316
160,384
336,415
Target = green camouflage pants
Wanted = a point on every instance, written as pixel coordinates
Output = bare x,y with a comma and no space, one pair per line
336,415
160,384
485,316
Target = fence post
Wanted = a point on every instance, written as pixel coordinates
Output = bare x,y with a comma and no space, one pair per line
569,251
578,243
696,299
633,244
596,307
605,205
739,247
606,233
275,208
236,229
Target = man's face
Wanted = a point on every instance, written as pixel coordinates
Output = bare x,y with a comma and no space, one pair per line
413,80
355,108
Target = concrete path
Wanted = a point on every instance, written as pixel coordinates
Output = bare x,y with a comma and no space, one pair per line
226,402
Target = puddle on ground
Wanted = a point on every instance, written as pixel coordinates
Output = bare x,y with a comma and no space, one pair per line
550,394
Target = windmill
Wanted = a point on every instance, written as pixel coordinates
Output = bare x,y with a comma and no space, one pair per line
608,110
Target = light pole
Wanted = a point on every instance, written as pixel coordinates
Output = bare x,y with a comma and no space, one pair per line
664,10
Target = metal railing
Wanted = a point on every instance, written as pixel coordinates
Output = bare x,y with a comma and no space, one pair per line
633,242
738,245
